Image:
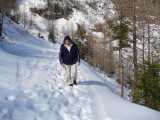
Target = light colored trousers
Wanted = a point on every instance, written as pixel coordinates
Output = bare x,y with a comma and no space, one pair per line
70,73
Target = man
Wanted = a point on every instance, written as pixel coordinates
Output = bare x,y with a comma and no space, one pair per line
69,58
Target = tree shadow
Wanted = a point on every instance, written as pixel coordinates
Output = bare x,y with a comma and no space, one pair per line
93,82
98,83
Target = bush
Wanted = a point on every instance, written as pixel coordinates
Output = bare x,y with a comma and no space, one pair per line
120,29
82,47
149,87
51,37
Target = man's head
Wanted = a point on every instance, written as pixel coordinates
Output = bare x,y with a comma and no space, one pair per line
67,40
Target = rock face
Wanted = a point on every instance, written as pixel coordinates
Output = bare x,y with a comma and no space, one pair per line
7,4
64,8
55,9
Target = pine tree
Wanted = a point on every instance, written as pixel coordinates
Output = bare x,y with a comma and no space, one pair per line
149,85
120,31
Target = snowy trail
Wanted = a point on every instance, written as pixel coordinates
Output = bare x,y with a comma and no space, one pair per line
40,85
32,81
91,80
109,106
38,89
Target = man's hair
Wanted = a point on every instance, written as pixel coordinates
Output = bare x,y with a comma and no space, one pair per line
67,38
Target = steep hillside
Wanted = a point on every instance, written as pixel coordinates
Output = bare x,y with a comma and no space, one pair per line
121,38
32,85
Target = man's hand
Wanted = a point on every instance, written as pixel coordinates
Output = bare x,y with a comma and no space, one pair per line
78,63
63,65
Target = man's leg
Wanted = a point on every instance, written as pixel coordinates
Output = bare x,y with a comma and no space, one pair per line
75,73
67,74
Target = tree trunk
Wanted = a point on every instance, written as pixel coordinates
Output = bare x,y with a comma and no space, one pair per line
149,44
135,64
143,44
111,60
1,22
121,72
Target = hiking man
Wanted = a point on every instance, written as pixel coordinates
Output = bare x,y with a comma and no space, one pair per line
69,58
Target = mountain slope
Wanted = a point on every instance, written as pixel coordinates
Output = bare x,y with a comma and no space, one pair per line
109,106
32,87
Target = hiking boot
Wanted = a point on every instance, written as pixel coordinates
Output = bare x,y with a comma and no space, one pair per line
71,85
75,82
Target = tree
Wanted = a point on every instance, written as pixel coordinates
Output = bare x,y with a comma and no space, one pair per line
51,36
135,52
78,38
1,22
5,5
120,32
149,87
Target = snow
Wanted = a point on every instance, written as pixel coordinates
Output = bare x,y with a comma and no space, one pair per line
86,17
64,27
99,35
32,3
87,20
32,86
114,107
32,83
39,25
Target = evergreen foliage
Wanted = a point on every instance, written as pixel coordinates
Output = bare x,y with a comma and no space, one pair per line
79,39
121,30
51,37
149,86
82,47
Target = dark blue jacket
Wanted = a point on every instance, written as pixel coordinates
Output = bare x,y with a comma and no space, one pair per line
69,58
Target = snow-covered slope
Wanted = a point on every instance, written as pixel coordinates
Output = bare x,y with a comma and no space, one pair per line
31,86
32,3
88,14
32,82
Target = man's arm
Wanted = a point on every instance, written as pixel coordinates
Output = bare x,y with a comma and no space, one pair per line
78,52
60,55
